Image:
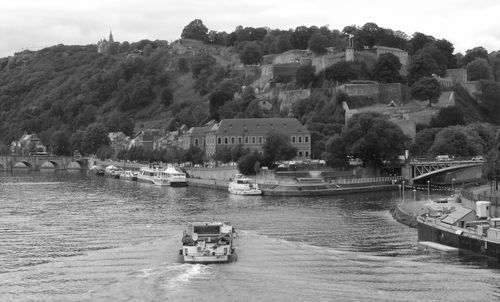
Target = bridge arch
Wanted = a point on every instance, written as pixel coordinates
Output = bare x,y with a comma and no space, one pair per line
50,164
77,164
26,164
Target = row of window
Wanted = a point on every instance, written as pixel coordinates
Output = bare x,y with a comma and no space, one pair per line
255,139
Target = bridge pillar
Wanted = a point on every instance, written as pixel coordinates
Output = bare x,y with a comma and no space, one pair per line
406,172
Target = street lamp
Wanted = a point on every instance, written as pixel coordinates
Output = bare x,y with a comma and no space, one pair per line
452,191
403,191
428,195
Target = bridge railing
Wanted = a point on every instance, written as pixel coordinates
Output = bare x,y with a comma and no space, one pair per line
366,180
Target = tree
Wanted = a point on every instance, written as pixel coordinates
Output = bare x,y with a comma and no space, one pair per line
387,68
305,76
167,97
489,96
318,43
194,155
422,65
335,152
251,54
217,99
195,30
456,141
373,139
95,136
474,53
479,69
423,141
341,72
105,152
448,116
277,147
60,143
247,163
222,154
427,88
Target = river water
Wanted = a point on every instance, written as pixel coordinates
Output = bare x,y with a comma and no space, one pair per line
70,237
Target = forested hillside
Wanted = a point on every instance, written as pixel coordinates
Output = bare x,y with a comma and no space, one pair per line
59,91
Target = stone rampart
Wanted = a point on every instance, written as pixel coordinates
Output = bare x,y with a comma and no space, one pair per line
290,97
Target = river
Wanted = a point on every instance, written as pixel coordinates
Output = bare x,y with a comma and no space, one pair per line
70,237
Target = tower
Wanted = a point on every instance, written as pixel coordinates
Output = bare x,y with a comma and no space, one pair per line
111,37
349,51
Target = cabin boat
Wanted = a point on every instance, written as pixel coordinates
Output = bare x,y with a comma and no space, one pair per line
128,175
174,177
242,185
208,242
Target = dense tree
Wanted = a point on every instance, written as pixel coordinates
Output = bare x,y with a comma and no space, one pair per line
489,96
479,69
426,88
423,141
247,163
195,30
277,147
448,116
305,76
422,65
194,155
335,152
318,43
474,53
456,141
217,99
341,72
167,97
60,143
251,54
373,139
95,136
419,40
387,68
222,154
105,152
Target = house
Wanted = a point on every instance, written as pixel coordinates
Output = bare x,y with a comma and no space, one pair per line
118,141
147,137
28,145
252,133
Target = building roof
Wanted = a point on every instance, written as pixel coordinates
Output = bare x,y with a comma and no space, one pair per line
260,126
198,131
457,215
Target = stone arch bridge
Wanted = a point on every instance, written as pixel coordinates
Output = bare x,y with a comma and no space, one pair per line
8,163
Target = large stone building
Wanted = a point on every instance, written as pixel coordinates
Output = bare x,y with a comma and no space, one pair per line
27,145
104,45
252,133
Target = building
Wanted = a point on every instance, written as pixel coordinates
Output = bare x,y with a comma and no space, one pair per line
28,144
195,137
252,133
146,138
104,45
118,141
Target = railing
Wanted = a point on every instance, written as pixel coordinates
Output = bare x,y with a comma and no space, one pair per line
366,180
476,197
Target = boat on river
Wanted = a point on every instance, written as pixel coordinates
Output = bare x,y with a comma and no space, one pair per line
208,242
242,185
147,174
128,175
162,177
458,227
175,178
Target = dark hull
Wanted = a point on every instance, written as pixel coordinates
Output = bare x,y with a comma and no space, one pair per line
178,184
465,242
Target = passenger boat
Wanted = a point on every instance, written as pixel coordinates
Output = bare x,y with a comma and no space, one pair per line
174,177
148,174
461,228
242,185
208,242
128,175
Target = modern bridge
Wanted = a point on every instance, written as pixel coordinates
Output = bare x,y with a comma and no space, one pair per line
458,170
11,162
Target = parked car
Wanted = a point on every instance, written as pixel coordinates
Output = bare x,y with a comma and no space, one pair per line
478,158
443,157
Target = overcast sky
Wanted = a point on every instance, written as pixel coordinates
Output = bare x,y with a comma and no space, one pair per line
35,24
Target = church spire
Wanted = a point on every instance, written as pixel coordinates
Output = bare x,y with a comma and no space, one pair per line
110,36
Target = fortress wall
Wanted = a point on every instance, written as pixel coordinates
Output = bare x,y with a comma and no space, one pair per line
288,98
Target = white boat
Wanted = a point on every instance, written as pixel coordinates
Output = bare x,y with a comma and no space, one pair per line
175,178
128,175
242,185
208,242
148,174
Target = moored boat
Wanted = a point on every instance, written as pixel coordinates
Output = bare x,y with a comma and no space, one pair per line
148,175
462,228
174,177
208,242
128,175
242,185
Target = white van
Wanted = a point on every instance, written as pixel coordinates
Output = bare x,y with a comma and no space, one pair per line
443,158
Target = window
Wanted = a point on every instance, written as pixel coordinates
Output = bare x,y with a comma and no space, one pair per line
233,140
225,140
246,140
300,153
253,139
219,140
293,139
306,139
240,140
260,139
307,154
196,142
300,139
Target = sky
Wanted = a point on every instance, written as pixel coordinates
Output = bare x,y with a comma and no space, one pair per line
35,24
